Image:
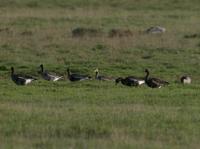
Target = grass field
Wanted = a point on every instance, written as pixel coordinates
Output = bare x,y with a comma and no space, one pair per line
94,114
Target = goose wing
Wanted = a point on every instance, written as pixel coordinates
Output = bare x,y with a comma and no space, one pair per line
23,77
51,76
79,77
54,77
104,78
136,79
28,77
159,81
129,81
155,82
25,80
20,80
132,79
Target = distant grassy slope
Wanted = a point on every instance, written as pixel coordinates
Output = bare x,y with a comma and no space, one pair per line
96,114
125,4
35,36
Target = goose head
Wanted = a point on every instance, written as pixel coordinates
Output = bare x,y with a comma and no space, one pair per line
146,70
147,74
96,70
118,80
41,69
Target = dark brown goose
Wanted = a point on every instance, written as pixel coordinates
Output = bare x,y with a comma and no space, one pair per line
130,81
48,76
102,78
77,77
21,79
154,82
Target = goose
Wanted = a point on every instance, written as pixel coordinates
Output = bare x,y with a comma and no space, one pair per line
156,30
77,77
154,82
100,77
48,76
130,81
186,79
21,79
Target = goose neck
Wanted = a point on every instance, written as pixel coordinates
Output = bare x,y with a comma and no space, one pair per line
12,71
68,72
42,68
147,75
96,74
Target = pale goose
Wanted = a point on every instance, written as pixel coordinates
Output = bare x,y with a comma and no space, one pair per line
48,76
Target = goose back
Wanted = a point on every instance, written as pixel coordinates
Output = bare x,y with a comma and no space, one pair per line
76,77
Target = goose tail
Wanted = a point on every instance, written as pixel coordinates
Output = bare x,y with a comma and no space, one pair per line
58,78
140,82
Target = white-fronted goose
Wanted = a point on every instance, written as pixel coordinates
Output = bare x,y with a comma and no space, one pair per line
154,82
130,81
186,79
77,77
48,76
21,79
102,78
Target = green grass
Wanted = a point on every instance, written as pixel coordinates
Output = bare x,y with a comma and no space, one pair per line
94,114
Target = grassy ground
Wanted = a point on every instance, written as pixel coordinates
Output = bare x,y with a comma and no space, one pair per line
94,114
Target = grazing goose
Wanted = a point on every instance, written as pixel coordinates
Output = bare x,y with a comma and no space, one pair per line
76,77
47,76
154,82
186,80
21,79
102,78
156,30
130,81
